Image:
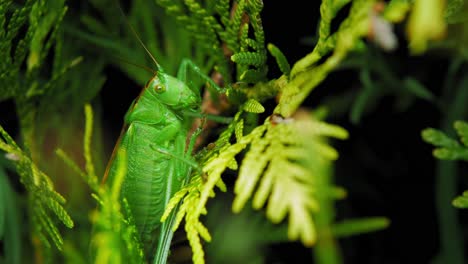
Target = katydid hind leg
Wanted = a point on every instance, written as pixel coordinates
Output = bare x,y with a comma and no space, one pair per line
169,131
215,118
186,159
191,146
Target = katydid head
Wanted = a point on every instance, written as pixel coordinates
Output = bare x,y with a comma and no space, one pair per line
172,92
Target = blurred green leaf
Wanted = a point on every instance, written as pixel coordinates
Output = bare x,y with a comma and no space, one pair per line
418,89
455,12
462,130
352,227
461,201
438,138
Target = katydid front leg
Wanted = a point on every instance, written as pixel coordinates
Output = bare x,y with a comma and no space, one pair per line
188,64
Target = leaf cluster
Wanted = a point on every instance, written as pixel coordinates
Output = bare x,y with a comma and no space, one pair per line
306,74
237,26
28,34
44,201
286,156
32,70
450,149
275,161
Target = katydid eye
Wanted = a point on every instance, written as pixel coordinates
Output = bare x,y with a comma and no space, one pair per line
159,88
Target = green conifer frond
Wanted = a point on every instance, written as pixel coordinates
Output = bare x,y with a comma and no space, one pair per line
239,132
274,160
305,75
44,21
233,30
327,39
283,178
42,197
301,224
194,196
281,60
253,106
252,58
194,228
10,65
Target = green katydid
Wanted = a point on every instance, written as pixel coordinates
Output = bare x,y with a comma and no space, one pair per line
154,136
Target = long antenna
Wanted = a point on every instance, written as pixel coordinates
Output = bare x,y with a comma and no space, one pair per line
146,68
139,39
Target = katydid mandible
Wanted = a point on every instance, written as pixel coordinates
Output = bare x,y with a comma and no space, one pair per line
154,136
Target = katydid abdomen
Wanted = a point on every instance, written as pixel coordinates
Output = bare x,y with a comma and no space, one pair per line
152,177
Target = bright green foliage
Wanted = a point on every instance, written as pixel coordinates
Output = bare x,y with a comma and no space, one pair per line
195,194
44,201
274,168
327,40
280,154
426,22
396,10
305,75
252,106
278,148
